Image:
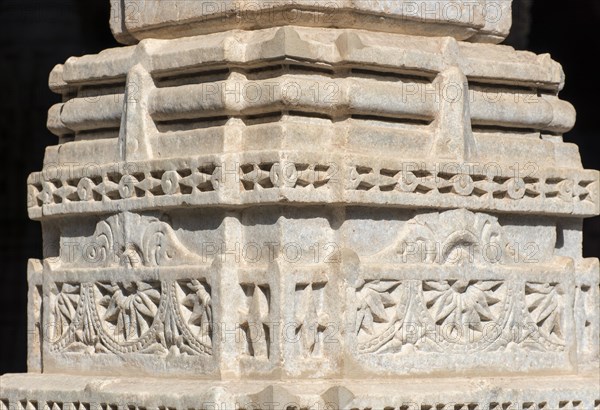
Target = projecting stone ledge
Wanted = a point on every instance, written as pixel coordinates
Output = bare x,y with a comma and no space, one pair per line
486,21
62,392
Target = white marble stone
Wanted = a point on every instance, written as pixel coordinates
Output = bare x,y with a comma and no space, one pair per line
370,214
472,20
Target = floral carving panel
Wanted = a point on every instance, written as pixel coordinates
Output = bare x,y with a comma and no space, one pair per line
145,317
126,311
468,304
435,291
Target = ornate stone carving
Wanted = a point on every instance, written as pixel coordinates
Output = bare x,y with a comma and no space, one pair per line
311,321
476,186
544,304
350,200
127,310
255,320
133,317
457,304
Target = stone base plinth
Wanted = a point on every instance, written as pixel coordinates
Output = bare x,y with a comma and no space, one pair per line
62,392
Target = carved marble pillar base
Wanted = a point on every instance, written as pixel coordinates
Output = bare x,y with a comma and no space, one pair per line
311,215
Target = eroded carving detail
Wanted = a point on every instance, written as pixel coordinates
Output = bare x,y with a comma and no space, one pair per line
443,291
311,321
488,186
587,313
544,305
161,247
457,237
454,316
112,245
476,189
450,310
73,326
191,328
255,320
285,175
459,304
134,317
128,309
66,306
109,185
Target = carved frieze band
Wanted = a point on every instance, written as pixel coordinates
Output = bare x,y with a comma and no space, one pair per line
210,182
458,315
151,317
447,283
455,290
453,315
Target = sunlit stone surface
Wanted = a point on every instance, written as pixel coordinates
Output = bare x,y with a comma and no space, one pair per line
369,206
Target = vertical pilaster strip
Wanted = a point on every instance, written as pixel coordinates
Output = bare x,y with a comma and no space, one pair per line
587,311
35,328
350,271
228,291
137,126
453,138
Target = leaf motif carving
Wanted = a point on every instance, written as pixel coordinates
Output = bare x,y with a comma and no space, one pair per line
375,297
458,304
543,305
310,320
65,308
255,318
130,307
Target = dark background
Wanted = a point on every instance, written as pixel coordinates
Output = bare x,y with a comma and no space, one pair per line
37,34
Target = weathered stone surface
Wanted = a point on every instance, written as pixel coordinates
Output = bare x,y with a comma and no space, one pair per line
473,20
473,293
541,392
357,218
363,97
